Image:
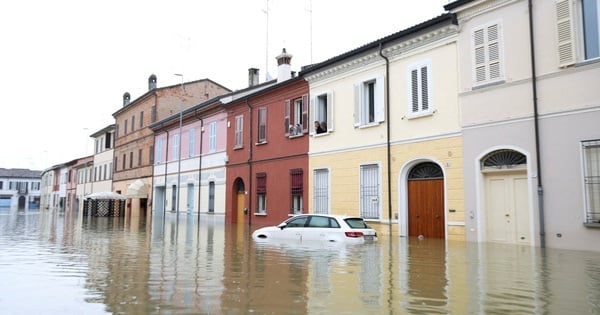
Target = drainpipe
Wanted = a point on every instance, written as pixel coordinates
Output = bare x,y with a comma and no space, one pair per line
166,163
200,164
540,187
249,162
388,146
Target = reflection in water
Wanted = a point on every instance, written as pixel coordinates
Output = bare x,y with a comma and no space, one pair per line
176,265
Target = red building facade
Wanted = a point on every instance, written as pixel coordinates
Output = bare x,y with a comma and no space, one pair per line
267,148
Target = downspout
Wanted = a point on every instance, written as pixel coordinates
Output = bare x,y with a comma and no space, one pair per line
540,187
388,146
249,162
200,164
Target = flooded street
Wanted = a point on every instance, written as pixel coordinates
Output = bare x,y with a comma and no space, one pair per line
55,263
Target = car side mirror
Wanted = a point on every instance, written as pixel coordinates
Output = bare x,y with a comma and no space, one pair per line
282,225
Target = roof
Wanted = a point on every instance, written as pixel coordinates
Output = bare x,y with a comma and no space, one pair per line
103,131
150,92
19,173
455,4
446,17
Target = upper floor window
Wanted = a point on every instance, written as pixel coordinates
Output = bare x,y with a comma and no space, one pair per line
296,116
159,148
577,32
322,112
191,142
487,54
132,123
153,113
212,137
125,128
175,146
368,102
262,125
141,119
419,89
239,132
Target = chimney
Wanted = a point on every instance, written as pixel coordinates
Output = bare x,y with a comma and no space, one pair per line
126,99
252,77
152,82
284,67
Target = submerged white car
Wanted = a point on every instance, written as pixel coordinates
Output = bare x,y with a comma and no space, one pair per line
319,227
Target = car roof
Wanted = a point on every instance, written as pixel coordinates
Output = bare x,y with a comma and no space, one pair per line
337,216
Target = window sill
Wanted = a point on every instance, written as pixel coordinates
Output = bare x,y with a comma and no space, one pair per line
370,125
295,136
487,84
592,225
238,148
261,143
420,114
320,134
260,214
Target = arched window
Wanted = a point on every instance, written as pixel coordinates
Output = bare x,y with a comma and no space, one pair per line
503,159
426,170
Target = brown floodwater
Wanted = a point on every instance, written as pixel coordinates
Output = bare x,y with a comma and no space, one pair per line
57,263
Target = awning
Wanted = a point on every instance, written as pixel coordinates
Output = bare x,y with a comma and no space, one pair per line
105,195
137,190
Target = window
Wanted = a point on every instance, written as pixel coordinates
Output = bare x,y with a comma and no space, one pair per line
153,114
321,191
125,128
108,140
175,147
110,168
369,191
140,157
130,159
295,121
419,89
212,137
322,111
591,180
105,174
151,155
132,123
368,102
262,125
159,148
239,132
296,189
116,131
115,164
487,54
261,193
141,119
124,160
191,142
588,33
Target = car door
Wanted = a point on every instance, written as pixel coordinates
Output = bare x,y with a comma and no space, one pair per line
293,229
321,228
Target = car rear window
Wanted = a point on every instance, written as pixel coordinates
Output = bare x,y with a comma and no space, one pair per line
356,223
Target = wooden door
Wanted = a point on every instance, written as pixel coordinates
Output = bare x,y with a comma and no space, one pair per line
241,196
426,208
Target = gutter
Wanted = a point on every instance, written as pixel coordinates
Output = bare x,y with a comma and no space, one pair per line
540,187
388,126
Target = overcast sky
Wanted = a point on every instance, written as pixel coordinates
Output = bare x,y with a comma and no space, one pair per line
65,64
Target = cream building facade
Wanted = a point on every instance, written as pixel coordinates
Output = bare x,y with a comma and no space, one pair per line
392,133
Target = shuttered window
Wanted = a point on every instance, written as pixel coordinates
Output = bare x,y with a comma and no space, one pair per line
565,33
487,54
296,190
261,192
262,125
420,89
239,132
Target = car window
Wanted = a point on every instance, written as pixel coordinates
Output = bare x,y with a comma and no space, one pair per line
297,222
319,222
356,223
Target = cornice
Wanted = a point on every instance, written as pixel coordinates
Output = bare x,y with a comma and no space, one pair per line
397,48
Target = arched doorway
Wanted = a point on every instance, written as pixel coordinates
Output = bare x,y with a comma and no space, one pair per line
240,197
426,201
506,197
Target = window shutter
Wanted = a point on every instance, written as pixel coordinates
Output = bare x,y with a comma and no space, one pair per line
286,118
357,102
479,43
380,99
329,111
424,88
565,33
261,183
262,125
487,53
313,113
414,90
305,122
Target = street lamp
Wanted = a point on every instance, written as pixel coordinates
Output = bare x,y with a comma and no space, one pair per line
179,145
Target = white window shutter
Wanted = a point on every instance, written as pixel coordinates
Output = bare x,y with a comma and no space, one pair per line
313,113
357,102
379,99
565,33
286,118
305,122
330,111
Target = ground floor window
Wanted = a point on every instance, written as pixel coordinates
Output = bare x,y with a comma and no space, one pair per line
369,191
296,189
321,191
261,193
591,180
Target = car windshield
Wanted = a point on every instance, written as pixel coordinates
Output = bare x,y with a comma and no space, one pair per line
356,223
